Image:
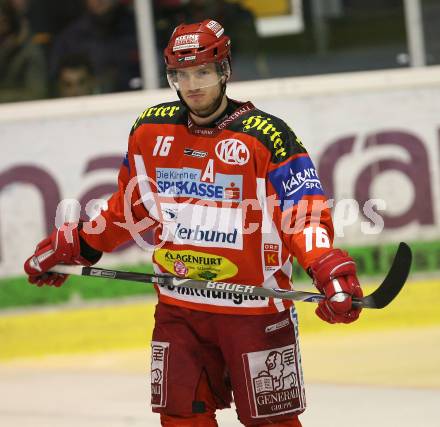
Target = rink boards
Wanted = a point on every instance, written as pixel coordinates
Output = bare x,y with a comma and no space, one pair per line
404,329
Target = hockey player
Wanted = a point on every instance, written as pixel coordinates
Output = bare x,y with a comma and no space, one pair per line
231,195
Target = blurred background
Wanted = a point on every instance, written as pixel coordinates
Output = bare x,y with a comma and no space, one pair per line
358,81
51,49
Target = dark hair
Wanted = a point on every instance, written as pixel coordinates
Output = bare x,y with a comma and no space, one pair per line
11,14
75,60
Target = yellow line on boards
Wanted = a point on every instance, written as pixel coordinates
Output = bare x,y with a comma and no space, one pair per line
129,326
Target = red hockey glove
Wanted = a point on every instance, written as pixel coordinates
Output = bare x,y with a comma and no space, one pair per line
334,274
63,246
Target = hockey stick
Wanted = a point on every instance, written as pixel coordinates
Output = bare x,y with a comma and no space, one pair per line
380,298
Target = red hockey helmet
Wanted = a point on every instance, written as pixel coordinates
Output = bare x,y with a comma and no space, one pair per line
196,44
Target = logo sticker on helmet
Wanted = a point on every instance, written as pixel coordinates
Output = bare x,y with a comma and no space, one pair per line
187,41
216,28
187,58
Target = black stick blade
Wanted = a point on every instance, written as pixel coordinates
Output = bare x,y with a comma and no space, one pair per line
394,280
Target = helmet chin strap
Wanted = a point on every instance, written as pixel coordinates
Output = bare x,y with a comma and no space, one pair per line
212,110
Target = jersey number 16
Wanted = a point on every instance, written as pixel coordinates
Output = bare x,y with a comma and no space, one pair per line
163,145
321,238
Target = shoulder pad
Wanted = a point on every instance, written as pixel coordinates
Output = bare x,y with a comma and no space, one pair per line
274,133
168,112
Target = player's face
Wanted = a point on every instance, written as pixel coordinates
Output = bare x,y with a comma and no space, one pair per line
199,86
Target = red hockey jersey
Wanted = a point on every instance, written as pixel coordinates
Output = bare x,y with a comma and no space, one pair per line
236,202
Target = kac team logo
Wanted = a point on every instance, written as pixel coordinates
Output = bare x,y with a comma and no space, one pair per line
232,152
